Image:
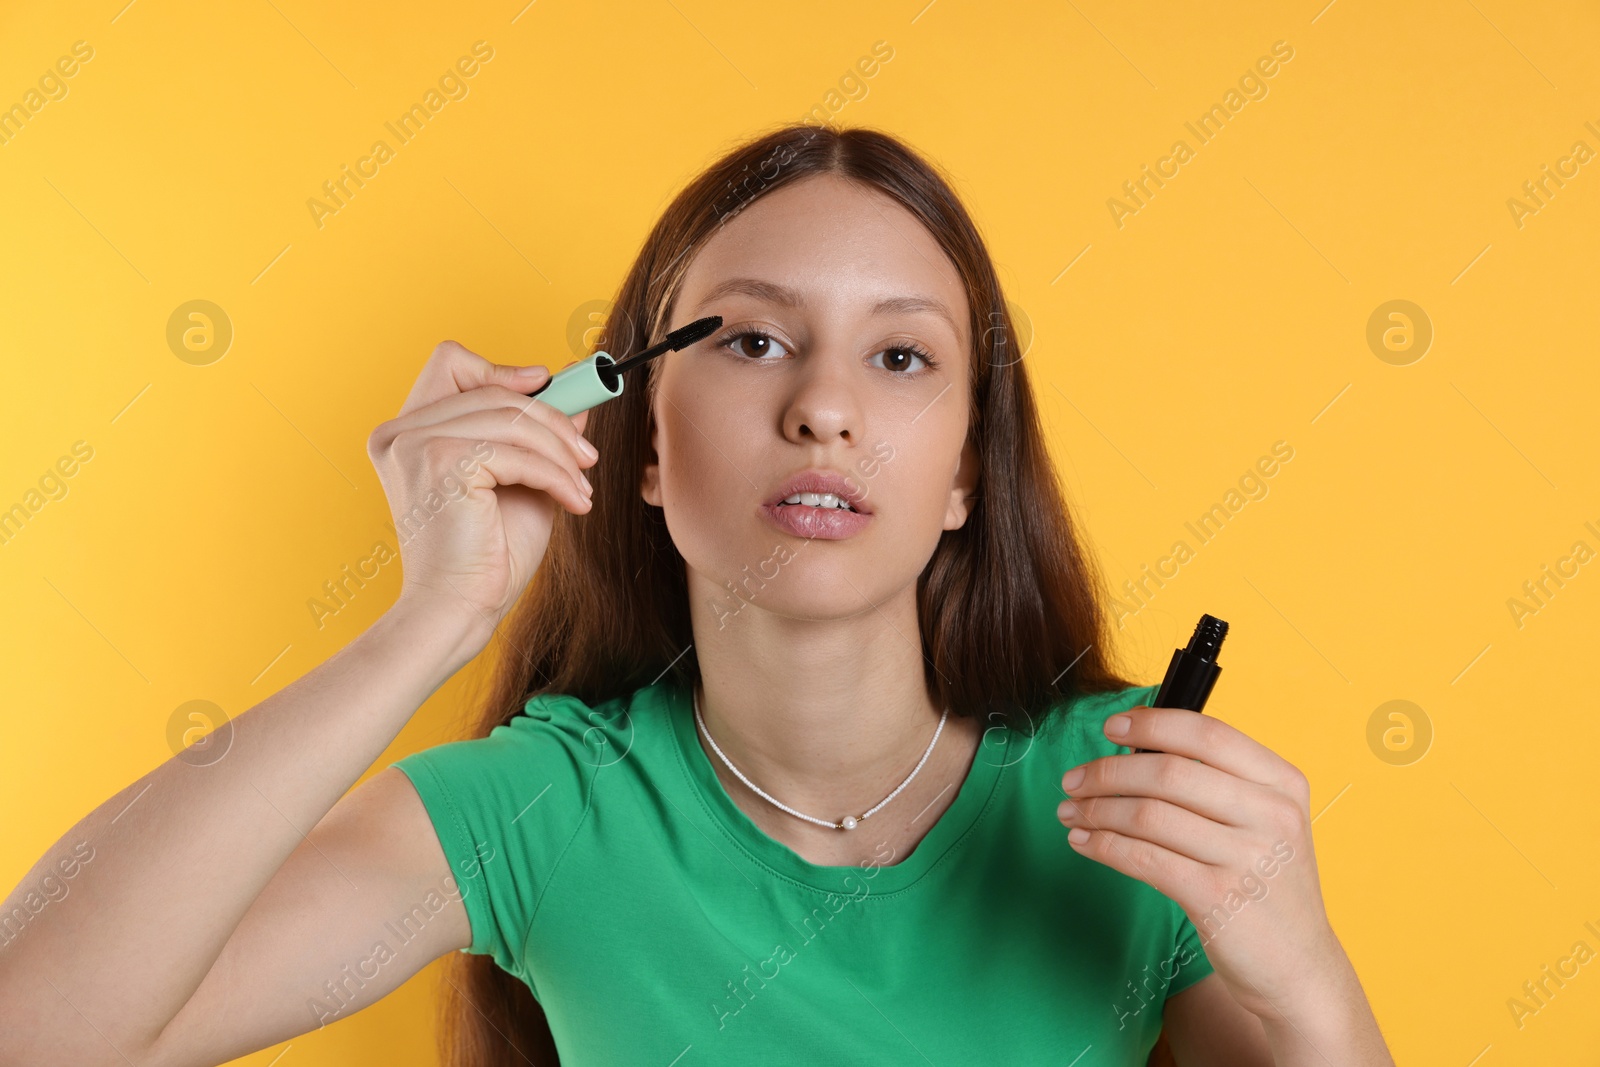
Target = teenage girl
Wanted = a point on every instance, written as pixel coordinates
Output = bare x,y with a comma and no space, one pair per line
804,743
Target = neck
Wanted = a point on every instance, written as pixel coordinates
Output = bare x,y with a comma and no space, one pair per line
827,716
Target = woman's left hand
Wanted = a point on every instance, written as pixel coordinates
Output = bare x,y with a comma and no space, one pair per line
1227,838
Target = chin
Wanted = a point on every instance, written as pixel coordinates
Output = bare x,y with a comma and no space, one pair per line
791,578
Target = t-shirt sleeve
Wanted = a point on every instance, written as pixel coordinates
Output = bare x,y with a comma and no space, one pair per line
1189,957
505,807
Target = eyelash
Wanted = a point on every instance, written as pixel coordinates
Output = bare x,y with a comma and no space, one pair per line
914,349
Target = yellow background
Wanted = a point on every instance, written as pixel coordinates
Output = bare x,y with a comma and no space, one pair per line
1229,313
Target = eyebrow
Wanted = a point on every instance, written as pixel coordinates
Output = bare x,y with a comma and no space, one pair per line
784,296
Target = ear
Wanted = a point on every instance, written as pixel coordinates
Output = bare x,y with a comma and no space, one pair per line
964,487
650,480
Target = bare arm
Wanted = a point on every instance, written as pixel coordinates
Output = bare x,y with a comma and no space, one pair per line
184,855
362,905
195,913
1207,1027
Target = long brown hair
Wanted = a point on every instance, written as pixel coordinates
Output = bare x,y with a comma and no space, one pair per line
1011,607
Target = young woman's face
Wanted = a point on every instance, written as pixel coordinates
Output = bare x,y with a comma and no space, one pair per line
854,361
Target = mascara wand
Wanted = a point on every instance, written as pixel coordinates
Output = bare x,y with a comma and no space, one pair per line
599,378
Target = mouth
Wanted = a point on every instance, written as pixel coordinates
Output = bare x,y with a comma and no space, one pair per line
815,521
818,503
821,501
820,488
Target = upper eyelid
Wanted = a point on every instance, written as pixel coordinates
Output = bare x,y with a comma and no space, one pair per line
741,332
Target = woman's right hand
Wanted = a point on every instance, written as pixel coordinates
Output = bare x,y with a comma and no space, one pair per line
474,470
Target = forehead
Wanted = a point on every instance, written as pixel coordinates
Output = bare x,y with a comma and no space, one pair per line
844,247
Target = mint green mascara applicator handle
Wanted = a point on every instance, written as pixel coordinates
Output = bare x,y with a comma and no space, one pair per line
599,378
583,385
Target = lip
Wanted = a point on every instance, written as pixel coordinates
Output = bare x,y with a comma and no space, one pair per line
819,480
823,524
815,524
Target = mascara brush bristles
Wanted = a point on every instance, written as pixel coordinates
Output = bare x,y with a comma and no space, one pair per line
680,338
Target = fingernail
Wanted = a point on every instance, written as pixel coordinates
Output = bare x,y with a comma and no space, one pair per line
1117,725
587,449
587,488
1073,779
532,372
1078,835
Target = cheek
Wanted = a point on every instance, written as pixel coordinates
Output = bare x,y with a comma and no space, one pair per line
927,500
709,426
918,476
695,460
908,481
705,485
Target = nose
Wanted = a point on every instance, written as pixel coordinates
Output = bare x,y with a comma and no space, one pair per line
824,405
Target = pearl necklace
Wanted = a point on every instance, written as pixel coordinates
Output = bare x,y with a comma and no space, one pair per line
849,822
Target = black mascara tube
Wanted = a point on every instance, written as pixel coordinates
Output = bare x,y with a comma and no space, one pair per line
1193,670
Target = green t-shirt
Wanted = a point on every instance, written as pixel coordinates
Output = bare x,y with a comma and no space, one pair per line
602,862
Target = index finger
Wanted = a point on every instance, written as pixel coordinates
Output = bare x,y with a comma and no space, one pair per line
453,369
1209,740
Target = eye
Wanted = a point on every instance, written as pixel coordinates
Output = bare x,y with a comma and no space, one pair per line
902,355
759,344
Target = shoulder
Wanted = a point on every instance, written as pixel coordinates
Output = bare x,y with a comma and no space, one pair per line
559,735
567,719
507,805
601,733
1074,729
528,778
